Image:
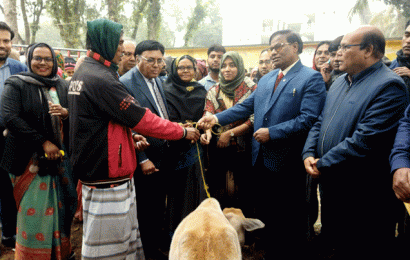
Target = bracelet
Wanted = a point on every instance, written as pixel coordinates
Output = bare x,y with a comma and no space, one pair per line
185,133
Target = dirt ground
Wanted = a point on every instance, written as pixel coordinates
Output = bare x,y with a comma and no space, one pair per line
76,238
248,252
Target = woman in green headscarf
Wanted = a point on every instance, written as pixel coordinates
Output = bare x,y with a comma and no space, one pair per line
229,153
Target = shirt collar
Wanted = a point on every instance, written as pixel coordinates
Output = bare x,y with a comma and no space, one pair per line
209,78
6,64
363,73
145,78
288,68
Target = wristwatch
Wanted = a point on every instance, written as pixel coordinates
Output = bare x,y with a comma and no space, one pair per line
232,134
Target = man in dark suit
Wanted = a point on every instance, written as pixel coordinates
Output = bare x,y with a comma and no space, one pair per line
286,103
144,85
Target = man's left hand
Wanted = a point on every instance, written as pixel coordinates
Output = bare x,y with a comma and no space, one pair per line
262,135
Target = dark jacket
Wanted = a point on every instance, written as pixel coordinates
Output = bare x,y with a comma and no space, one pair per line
401,61
25,112
137,87
356,129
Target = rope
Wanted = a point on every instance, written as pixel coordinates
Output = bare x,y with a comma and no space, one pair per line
206,187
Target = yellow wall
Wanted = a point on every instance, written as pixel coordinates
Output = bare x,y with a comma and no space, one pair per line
250,54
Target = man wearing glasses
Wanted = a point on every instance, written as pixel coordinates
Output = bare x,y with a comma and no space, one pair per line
285,104
264,65
348,148
145,86
128,60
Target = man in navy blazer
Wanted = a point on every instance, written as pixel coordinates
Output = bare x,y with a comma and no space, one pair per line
150,180
283,116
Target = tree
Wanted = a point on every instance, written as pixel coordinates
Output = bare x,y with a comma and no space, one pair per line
390,22
35,9
114,8
154,19
197,16
139,7
10,16
67,15
210,30
402,5
362,9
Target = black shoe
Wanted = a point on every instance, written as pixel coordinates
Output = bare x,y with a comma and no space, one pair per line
9,241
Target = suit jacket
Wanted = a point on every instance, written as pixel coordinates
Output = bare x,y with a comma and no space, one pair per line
138,88
288,113
16,66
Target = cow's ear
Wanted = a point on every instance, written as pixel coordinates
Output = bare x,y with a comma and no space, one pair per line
251,224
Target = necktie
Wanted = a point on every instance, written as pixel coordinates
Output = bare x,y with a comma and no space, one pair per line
280,76
159,99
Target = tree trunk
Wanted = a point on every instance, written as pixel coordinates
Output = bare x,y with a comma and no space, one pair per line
137,15
111,10
38,9
26,24
10,16
154,19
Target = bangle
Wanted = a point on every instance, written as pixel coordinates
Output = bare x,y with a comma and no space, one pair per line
185,133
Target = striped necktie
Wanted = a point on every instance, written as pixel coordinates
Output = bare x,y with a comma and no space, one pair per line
159,98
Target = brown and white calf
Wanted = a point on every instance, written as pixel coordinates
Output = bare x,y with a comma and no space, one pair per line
208,234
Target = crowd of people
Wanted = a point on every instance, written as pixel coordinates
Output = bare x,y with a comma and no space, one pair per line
130,142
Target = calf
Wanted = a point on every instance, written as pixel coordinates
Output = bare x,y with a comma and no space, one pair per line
206,234
240,223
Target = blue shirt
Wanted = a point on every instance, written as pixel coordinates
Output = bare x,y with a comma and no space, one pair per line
10,67
208,82
4,74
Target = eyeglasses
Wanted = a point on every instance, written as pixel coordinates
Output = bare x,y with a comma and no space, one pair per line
267,62
182,68
344,47
152,61
46,59
279,46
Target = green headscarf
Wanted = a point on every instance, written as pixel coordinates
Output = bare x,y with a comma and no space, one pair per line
105,36
228,87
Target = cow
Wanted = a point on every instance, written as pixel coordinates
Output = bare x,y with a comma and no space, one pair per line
207,234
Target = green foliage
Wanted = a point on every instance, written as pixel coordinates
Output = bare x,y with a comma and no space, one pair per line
139,9
67,15
35,8
198,15
210,30
49,34
402,5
